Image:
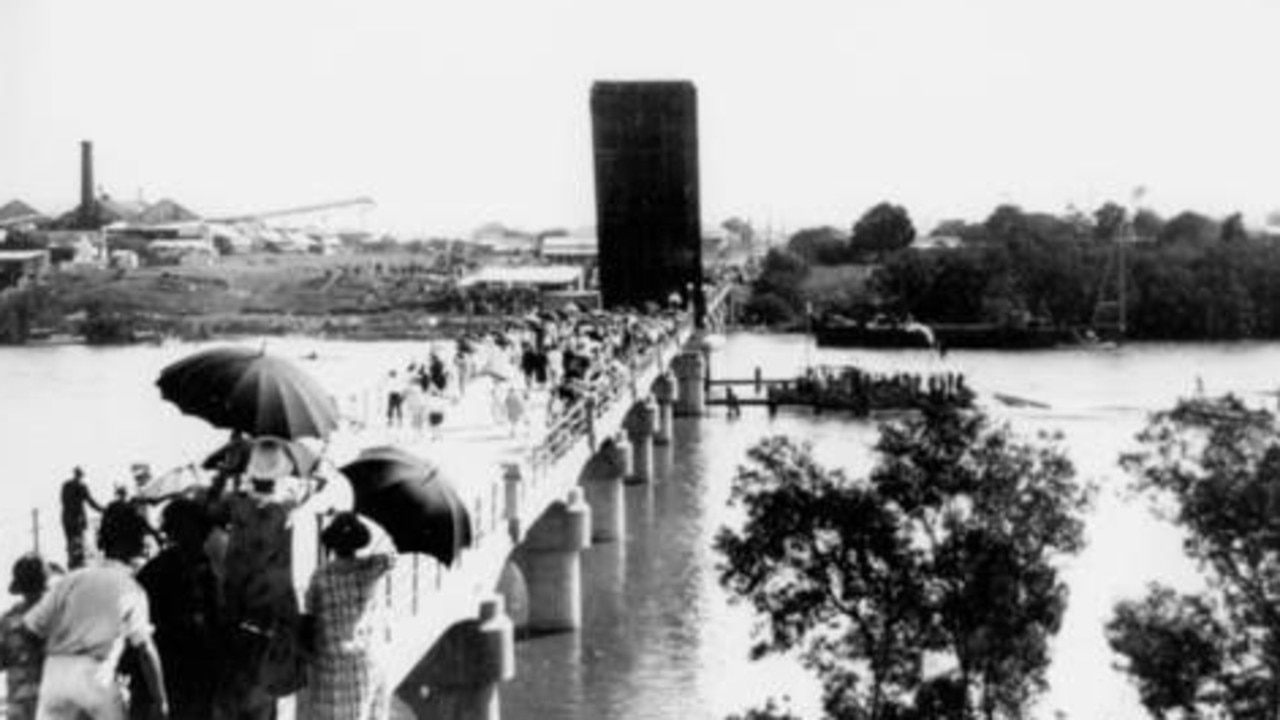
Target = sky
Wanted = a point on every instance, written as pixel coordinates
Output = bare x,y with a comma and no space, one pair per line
453,114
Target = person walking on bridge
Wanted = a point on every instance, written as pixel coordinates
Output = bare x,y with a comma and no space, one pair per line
75,520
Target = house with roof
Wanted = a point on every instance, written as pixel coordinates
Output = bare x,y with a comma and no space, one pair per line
20,268
18,215
536,277
502,240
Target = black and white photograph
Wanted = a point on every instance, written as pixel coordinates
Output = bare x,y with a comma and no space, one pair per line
568,360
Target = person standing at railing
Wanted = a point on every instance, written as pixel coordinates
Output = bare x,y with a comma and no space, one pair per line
21,652
75,520
346,621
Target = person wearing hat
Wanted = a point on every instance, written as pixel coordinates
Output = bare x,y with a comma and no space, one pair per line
347,623
21,652
75,520
261,607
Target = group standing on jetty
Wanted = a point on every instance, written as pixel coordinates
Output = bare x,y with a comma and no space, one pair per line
196,615
855,389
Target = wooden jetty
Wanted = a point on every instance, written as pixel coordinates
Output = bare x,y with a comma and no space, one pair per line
844,388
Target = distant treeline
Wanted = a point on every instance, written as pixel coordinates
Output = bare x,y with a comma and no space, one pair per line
1188,277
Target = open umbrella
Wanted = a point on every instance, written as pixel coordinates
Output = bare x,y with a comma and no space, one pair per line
407,496
243,389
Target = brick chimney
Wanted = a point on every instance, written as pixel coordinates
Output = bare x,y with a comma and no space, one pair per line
86,183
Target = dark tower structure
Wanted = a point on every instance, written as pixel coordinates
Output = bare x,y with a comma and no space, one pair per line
87,212
647,214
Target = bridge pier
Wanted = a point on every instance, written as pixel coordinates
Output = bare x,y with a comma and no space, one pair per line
640,423
689,367
664,391
459,678
602,483
551,558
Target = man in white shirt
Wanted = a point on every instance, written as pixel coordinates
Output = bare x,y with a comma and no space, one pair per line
85,620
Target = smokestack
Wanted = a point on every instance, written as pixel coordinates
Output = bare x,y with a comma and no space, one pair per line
86,182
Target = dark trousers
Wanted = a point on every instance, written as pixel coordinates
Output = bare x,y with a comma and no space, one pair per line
75,545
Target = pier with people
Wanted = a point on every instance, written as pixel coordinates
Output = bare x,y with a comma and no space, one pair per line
848,388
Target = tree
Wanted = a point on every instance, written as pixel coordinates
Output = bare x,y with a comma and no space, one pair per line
1173,644
1212,466
740,229
820,246
882,229
1233,230
1189,228
946,550
1108,221
775,294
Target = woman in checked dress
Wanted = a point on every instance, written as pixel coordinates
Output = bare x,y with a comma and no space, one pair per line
345,679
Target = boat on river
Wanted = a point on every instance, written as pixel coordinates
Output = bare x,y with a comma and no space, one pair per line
882,333
879,332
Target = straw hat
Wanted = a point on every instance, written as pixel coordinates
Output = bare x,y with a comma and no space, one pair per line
268,460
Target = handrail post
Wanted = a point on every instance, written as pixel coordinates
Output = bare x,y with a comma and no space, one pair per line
511,476
590,408
35,530
416,590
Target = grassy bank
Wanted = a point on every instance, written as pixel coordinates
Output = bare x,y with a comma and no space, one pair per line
373,296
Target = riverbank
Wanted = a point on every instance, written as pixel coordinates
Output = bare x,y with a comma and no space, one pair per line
375,297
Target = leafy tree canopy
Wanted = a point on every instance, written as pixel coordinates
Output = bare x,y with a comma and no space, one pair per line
947,551
882,229
820,246
1212,466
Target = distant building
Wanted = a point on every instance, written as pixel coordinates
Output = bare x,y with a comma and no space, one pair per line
187,252
165,212
937,242
18,215
545,278
76,247
580,250
20,268
124,260
502,240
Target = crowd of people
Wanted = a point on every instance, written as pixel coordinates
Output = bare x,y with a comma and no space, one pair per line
199,617
862,391
548,361
184,604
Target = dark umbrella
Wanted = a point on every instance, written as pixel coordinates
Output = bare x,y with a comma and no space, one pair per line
410,499
242,389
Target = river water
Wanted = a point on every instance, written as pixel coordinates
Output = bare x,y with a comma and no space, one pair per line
661,639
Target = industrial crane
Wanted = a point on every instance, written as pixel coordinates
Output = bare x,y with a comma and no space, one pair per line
360,202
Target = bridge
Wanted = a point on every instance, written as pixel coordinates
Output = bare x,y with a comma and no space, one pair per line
534,508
